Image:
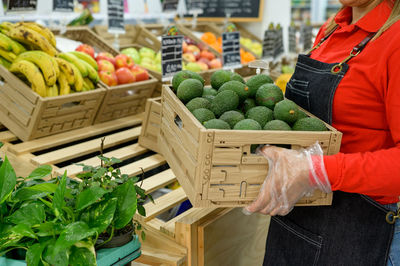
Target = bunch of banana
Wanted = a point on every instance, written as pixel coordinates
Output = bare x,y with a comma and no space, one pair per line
9,49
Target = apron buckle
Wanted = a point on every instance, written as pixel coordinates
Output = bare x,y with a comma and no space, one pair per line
391,217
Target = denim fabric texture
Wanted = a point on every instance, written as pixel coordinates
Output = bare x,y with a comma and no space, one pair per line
394,254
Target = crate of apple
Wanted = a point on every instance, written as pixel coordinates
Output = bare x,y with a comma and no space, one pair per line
198,58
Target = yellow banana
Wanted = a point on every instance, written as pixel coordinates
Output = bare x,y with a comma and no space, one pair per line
6,25
88,84
32,38
52,91
44,62
66,68
63,84
16,47
75,61
5,42
4,62
87,58
55,65
45,32
10,56
78,78
92,73
32,74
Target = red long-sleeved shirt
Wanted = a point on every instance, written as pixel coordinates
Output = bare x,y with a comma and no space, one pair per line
366,106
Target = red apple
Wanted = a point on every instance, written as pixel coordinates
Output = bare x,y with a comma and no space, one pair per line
189,57
106,56
204,60
105,65
216,63
207,54
203,66
109,78
122,60
193,48
196,55
124,75
139,73
85,48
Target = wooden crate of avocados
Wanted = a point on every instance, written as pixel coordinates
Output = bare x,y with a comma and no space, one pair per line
121,100
216,167
151,124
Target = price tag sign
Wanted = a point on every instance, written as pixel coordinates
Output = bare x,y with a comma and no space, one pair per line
116,17
306,37
63,5
278,47
269,41
170,5
21,5
171,55
292,40
231,50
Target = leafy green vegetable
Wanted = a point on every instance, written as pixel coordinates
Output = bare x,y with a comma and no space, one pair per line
126,204
40,172
8,179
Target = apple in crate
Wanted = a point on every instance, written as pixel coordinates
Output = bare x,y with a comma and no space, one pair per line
122,60
85,48
108,77
105,65
124,75
189,57
139,73
106,56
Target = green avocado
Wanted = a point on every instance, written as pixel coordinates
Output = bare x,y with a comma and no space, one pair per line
256,81
224,101
185,74
309,124
209,91
219,77
197,103
287,111
216,124
237,77
247,124
189,89
268,95
261,114
241,89
203,114
276,125
232,117
248,104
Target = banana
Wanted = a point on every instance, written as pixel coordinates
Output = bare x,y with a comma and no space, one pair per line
92,73
4,62
78,78
88,84
16,47
45,32
75,61
32,73
87,58
63,84
55,65
5,42
6,25
44,62
66,68
10,56
31,37
52,91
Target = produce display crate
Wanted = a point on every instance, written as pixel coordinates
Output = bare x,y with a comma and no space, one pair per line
216,167
30,116
193,237
131,32
121,100
151,124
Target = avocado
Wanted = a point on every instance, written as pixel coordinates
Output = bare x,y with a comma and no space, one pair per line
216,124
301,115
247,124
268,95
261,114
185,74
237,77
224,101
256,81
241,89
276,125
287,111
197,103
189,89
219,77
210,98
209,91
203,114
232,117
248,104
309,124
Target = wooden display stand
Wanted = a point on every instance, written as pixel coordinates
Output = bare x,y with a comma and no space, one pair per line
216,167
151,124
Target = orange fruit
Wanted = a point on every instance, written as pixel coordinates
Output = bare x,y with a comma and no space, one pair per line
209,38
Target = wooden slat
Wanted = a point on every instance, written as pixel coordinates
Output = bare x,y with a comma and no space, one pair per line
7,136
86,147
164,203
62,138
159,180
122,154
146,164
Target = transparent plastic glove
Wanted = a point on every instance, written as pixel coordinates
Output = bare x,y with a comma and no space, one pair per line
292,174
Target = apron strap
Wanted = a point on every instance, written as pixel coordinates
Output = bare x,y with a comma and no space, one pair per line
322,40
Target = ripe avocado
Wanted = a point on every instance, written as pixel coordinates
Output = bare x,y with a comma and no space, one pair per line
241,89
276,125
301,115
224,101
203,114
185,74
268,95
237,77
209,91
247,124
210,98
219,77
287,111
309,124
189,89
216,124
232,117
261,114
248,104
197,103
256,81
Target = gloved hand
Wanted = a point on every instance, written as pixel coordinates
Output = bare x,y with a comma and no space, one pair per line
292,174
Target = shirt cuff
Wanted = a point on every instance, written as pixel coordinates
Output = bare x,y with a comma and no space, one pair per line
331,165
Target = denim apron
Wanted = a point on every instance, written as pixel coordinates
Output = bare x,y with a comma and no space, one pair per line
354,230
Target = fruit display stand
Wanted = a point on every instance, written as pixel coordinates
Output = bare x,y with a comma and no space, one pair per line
151,124
216,168
194,237
121,100
131,32
30,116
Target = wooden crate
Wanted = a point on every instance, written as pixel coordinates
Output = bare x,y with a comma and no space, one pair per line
30,116
121,100
216,167
187,239
151,124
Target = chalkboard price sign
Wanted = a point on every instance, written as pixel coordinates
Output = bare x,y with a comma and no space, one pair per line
171,55
292,40
306,37
21,5
269,43
170,5
231,50
116,16
279,49
63,5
